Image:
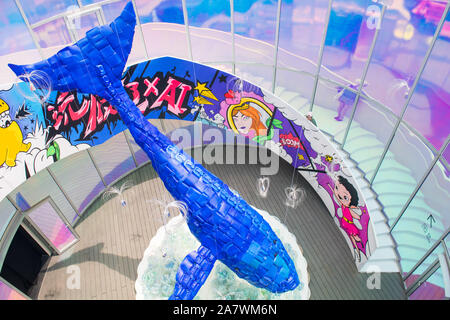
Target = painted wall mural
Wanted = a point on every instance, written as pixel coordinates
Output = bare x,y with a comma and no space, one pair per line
39,128
324,169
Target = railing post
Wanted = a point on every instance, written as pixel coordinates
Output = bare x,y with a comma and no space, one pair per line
411,92
366,69
138,20
277,41
96,167
130,148
319,63
420,183
30,30
233,45
186,24
62,190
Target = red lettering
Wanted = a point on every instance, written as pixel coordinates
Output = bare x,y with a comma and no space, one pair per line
169,94
151,87
68,112
92,120
133,86
290,141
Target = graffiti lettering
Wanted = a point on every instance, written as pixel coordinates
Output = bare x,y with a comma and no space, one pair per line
151,87
150,94
68,112
169,95
290,141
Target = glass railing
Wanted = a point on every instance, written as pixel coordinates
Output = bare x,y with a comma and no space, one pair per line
428,279
406,140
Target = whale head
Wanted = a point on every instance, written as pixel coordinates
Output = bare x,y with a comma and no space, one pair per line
266,264
287,278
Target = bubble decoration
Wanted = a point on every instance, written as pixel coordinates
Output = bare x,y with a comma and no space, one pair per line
112,191
263,186
294,196
34,86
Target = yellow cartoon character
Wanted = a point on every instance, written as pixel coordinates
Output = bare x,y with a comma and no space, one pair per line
11,138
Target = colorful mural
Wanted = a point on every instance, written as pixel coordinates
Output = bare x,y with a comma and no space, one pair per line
46,127
321,165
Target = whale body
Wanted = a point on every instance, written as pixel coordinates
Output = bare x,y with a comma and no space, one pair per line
227,227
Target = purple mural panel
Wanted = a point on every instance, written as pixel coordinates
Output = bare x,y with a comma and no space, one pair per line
352,215
293,141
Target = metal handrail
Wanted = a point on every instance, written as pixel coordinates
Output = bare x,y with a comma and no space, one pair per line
425,275
321,50
275,66
232,30
419,185
277,44
364,74
186,25
426,255
376,104
413,88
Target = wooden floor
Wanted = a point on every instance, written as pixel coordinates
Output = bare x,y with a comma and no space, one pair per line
114,238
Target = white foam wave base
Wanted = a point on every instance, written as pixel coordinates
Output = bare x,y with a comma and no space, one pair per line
157,270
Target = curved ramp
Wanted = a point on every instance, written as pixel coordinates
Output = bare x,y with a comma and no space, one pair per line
113,239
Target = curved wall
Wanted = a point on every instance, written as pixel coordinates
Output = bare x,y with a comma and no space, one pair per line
409,29
169,88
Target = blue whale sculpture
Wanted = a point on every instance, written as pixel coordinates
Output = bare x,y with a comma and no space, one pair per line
228,228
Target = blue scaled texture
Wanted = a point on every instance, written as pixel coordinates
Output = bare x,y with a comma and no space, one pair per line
227,227
193,272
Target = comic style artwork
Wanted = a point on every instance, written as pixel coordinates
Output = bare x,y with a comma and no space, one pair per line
12,135
162,88
157,91
225,101
294,142
350,214
347,204
38,129
28,144
247,110
330,178
228,102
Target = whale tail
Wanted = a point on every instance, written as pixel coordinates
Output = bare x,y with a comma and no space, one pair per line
75,66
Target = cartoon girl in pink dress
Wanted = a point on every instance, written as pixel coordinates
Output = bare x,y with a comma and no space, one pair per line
346,197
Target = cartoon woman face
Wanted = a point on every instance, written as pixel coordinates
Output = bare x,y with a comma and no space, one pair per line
243,123
342,195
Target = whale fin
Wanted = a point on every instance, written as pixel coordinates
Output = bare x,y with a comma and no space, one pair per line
74,67
192,274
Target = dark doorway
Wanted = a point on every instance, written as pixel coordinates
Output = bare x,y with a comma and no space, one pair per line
23,263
